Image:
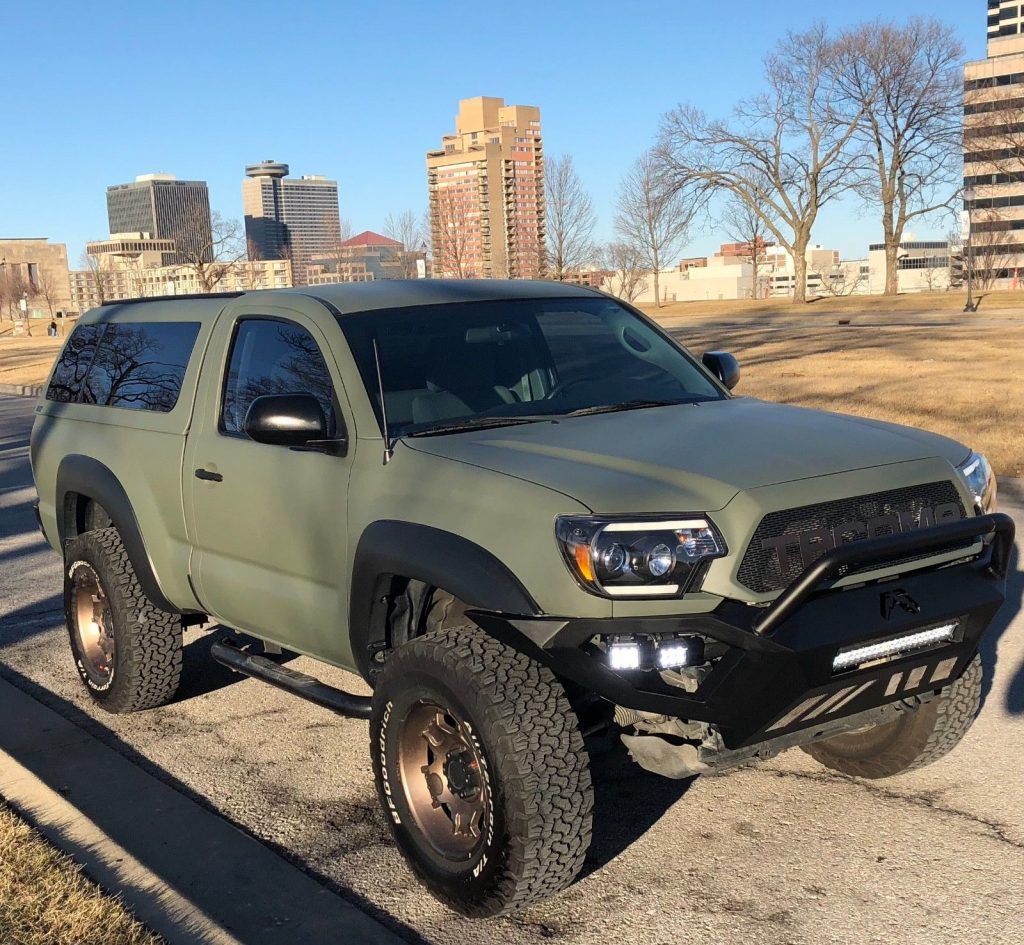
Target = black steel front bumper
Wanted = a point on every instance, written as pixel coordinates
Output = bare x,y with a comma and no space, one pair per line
774,674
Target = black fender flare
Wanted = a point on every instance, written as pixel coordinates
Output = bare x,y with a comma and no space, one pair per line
89,477
437,558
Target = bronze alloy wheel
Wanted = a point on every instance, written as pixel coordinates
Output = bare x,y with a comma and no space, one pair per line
444,776
93,626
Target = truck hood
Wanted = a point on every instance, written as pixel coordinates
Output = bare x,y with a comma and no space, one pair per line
687,457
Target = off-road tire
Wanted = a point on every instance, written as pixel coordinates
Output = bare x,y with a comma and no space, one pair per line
916,739
534,761
147,662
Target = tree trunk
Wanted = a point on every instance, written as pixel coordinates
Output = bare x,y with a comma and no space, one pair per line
657,291
800,271
892,276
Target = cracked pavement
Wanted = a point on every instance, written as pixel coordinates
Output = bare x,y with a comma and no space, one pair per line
784,852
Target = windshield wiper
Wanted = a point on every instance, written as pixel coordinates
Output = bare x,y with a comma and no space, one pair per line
625,405
477,423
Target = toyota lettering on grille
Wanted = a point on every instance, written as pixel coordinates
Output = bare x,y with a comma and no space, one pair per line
805,547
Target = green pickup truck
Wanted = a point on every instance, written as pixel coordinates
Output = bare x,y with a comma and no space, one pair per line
526,517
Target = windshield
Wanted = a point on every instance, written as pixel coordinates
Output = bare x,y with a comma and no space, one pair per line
446,367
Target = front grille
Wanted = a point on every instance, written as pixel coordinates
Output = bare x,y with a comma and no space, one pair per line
772,566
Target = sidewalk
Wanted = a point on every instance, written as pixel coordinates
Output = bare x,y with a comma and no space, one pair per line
183,871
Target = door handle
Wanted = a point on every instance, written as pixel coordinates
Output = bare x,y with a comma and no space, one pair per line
209,475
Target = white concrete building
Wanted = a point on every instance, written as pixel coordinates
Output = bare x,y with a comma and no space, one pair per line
721,278
922,266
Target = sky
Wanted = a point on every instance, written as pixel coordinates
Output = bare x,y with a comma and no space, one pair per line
98,93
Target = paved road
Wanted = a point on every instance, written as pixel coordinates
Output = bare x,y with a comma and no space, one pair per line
781,853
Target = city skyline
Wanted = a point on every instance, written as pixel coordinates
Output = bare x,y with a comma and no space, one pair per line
627,90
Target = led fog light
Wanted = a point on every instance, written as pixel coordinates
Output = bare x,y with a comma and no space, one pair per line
652,652
898,646
624,656
674,653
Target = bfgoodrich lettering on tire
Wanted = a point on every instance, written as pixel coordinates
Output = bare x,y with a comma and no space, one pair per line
126,650
481,771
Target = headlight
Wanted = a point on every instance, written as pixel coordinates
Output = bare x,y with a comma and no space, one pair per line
981,482
637,557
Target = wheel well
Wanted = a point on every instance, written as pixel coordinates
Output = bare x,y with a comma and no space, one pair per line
401,612
82,514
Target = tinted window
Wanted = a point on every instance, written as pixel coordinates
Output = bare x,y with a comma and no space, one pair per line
74,362
523,357
274,357
140,366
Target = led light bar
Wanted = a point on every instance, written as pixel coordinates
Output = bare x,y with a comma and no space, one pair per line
643,590
854,656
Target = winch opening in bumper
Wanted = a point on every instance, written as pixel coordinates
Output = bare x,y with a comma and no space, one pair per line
774,673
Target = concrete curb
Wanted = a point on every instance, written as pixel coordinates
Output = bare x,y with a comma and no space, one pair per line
1010,488
21,390
186,873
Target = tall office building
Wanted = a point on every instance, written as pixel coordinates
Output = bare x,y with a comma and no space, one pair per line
289,217
165,208
266,235
994,149
486,188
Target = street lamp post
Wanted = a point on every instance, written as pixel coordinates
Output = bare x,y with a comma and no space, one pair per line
968,200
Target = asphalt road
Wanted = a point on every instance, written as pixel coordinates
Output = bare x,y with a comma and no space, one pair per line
784,852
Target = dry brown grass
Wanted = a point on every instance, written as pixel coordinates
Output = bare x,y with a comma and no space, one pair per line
45,899
964,381
912,303
27,360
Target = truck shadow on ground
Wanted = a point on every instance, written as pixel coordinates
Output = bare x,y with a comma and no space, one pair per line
628,801
201,673
1014,699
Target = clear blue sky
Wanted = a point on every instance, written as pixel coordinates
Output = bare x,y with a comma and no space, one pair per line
96,93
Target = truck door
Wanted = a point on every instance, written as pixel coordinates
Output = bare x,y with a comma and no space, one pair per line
268,523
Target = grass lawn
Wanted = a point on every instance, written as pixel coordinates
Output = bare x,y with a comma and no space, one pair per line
46,900
991,302
965,381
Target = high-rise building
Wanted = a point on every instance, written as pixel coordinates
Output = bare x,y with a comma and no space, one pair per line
486,189
266,235
289,217
994,150
165,208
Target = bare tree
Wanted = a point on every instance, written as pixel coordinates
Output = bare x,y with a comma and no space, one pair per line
785,153
48,288
838,280
210,259
988,255
652,217
408,229
450,237
10,291
907,79
745,225
13,288
91,264
570,219
627,277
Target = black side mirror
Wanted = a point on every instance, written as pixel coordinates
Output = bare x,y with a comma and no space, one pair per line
286,420
724,366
